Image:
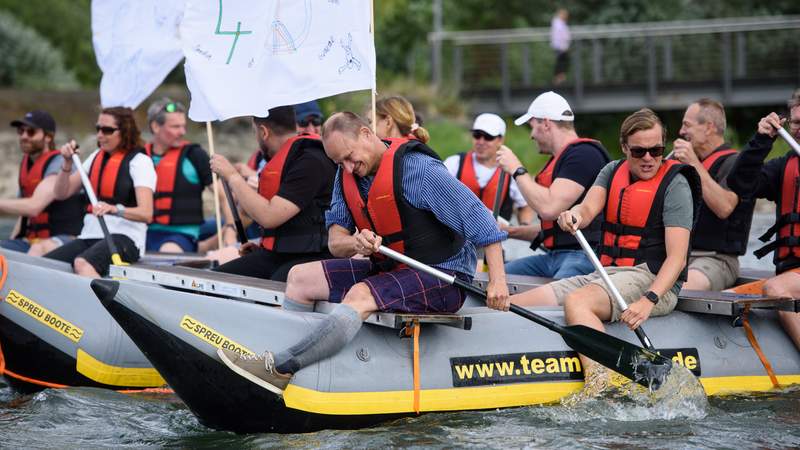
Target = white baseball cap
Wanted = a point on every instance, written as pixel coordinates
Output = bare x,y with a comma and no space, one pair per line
491,124
547,106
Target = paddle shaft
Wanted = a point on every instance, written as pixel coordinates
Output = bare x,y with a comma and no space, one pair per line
87,186
240,233
789,140
450,279
499,194
617,297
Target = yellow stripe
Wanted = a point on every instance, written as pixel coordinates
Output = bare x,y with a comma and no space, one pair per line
117,376
484,397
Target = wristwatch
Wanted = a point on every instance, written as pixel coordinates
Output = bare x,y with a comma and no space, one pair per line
652,296
120,210
520,171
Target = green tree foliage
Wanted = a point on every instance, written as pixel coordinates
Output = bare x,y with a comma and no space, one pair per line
66,24
28,59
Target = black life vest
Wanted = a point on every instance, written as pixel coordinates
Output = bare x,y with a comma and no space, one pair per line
787,220
487,194
633,229
404,228
552,237
110,176
176,201
60,216
728,236
306,231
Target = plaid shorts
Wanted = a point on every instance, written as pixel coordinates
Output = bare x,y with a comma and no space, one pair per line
401,289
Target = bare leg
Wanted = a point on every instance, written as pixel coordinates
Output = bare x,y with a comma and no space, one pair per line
170,247
787,285
43,246
587,306
697,281
306,283
83,268
540,296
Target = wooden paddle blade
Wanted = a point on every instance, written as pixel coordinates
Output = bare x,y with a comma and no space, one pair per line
640,365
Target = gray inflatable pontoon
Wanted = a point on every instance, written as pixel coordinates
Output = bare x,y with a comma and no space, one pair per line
54,333
478,359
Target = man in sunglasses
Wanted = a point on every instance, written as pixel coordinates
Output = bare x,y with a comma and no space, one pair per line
776,180
478,169
183,172
723,223
45,223
649,205
560,184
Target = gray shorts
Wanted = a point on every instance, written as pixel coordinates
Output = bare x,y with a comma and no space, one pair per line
721,270
631,282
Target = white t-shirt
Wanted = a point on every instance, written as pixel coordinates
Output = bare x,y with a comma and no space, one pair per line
483,174
143,174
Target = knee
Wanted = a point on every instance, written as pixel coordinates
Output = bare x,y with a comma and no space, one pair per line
297,280
360,298
83,267
773,287
37,249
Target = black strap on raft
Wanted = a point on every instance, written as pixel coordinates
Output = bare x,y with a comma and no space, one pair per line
788,241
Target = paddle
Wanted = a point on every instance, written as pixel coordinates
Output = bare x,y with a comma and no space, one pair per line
640,365
87,186
617,297
240,233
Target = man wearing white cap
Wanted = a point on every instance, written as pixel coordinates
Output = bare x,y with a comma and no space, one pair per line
478,169
572,168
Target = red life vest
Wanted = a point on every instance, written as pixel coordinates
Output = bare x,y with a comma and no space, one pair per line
729,235
552,237
787,220
59,217
633,230
111,178
176,201
385,211
488,193
306,231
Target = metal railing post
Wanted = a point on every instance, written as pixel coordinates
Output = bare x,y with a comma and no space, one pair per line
597,61
727,67
577,71
505,76
652,81
458,67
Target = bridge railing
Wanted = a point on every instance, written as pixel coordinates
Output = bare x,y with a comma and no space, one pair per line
647,58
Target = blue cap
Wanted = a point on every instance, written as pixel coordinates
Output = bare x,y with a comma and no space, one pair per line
303,110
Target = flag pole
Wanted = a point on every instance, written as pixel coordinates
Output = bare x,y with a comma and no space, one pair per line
375,75
210,133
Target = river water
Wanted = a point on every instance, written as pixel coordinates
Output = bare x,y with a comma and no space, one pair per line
87,417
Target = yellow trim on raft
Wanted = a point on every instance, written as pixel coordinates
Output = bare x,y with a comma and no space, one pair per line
117,376
483,397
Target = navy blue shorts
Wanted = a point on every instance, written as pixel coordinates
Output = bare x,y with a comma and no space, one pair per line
157,238
402,289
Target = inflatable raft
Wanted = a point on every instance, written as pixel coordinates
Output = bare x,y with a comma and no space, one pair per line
54,333
477,359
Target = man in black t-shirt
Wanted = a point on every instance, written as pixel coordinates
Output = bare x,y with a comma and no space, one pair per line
293,193
562,183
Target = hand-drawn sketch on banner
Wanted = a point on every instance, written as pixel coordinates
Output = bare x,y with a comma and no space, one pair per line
243,58
136,44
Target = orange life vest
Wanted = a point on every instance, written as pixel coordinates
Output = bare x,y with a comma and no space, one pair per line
59,217
787,221
633,229
176,201
111,178
385,211
488,193
730,235
306,231
552,237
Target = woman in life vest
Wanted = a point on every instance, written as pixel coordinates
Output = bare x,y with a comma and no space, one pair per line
395,118
123,179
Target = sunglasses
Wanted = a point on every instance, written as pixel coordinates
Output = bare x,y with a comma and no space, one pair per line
107,131
313,120
638,152
477,134
31,132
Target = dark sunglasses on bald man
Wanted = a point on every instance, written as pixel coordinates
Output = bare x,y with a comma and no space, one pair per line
655,151
478,134
31,132
314,120
107,131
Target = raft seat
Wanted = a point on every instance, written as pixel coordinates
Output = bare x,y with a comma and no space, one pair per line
215,283
400,321
731,304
